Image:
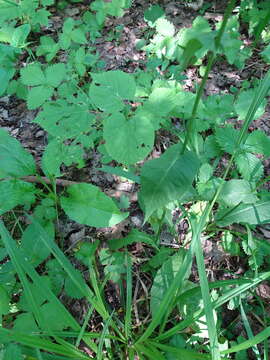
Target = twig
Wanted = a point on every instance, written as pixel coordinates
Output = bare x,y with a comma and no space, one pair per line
59,182
43,179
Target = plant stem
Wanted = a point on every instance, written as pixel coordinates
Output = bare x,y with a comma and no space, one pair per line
191,127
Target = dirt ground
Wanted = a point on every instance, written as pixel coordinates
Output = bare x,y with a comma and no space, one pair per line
122,54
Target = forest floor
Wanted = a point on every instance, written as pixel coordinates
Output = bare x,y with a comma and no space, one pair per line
117,49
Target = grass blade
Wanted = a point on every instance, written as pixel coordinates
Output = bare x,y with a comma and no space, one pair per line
37,343
208,308
222,300
180,353
249,343
249,331
22,267
128,297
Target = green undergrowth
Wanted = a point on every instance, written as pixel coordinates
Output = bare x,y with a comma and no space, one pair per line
212,174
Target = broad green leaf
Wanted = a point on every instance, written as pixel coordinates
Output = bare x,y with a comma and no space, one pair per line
128,141
47,47
55,74
120,83
164,27
235,191
38,95
64,41
78,36
4,301
20,35
105,99
57,153
41,17
63,120
32,245
68,25
249,166
252,214
229,243
88,205
12,351
115,7
258,142
188,57
26,271
208,189
230,42
4,80
243,102
114,263
218,108
211,148
164,278
167,179
71,289
14,160
227,138
157,260
15,192
205,173
161,101
51,313
32,75
184,104
201,31
152,14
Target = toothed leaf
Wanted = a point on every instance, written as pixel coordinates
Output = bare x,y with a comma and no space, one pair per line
38,95
32,75
55,74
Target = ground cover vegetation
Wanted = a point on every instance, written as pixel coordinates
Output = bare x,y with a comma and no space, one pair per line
210,178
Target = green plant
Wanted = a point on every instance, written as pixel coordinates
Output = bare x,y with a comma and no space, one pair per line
212,172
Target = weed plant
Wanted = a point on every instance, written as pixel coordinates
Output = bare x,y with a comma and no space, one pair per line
213,174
